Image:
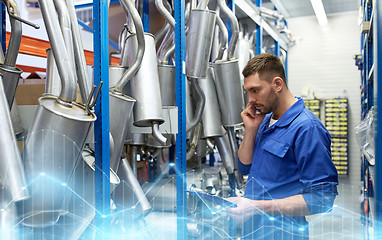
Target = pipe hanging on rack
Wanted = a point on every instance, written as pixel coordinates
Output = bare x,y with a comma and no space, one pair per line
135,66
84,81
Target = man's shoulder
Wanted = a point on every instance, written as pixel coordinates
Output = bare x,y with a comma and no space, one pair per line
307,119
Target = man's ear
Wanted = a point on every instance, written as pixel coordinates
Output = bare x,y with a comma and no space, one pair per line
278,84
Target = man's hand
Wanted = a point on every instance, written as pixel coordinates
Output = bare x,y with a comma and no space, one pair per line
251,118
244,210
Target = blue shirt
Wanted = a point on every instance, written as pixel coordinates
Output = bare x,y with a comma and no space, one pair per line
291,157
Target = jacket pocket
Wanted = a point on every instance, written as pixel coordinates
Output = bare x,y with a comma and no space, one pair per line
276,148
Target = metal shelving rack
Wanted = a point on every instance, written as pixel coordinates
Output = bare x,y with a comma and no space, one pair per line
378,101
371,76
101,72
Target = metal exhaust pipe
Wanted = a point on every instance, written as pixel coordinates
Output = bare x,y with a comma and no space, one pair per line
16,34
129,193
135,66
224,148
234,27
52,81
200,102
61,56
84,81
65,24
224,32
235,154
12,171
10,73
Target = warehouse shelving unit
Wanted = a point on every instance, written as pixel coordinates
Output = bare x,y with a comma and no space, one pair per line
371,76
245,9
378,101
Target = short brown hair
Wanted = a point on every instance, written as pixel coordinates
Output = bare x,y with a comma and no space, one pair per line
267,66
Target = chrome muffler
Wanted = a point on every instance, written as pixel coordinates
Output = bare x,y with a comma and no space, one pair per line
12,171
51,153
79,201
145,87
57,135
230,93
199,42
211,118
167,84
121,107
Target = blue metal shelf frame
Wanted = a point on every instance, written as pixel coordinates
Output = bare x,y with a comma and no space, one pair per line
180,100
101,127
259,31
145,16
378,80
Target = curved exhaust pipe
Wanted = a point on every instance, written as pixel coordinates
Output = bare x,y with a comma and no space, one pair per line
16,34
165,13
65,23
157,134
224,33
200,102
234,27
129,6
84,81
56,39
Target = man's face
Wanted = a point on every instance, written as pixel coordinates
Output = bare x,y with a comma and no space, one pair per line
261,94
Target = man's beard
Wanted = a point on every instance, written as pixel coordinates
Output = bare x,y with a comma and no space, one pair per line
272,103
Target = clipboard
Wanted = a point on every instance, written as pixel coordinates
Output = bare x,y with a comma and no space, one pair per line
216,200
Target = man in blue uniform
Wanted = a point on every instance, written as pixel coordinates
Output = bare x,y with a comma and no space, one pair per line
286,152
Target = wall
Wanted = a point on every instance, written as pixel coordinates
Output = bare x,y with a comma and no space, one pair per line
323,60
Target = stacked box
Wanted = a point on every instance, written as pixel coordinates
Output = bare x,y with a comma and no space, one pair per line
336,121
314,105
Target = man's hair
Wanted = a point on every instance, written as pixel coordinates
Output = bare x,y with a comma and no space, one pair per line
267,66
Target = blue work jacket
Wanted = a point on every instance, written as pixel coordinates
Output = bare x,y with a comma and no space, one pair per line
291,157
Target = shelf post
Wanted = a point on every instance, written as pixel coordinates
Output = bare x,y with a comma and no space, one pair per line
101,127
180,100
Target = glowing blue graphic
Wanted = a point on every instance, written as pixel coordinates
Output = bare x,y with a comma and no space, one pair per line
204,221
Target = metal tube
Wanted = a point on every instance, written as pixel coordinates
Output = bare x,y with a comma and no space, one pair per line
56,39
210,144
159,35
127,4
64,20
15,38
203,4
167,53
200,102
52,80
84,81
133,157
130,191
234,28
224,34
165,13
223,145
194,141
164,42
157,134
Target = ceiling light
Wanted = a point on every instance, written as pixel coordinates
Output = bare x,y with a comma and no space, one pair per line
319,10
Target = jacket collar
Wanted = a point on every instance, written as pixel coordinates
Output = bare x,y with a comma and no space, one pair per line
289,115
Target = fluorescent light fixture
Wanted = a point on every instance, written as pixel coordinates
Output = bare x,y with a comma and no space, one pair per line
319,10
